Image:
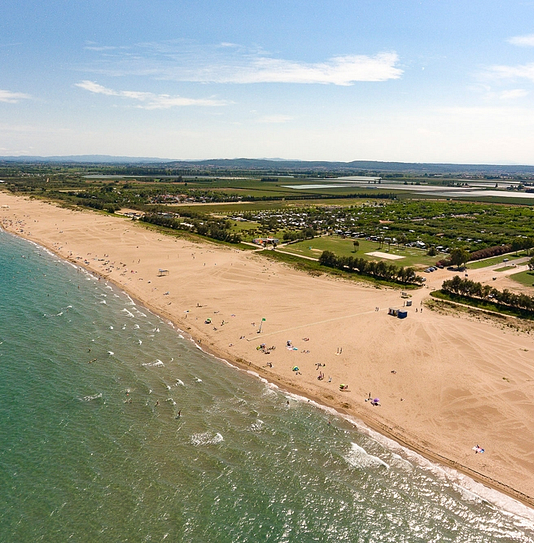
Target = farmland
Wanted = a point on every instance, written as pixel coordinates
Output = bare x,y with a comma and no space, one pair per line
397,214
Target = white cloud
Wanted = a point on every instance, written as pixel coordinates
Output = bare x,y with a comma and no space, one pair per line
523,71
344,70
275,119
12,97
231,63
513,94
149,100
523,41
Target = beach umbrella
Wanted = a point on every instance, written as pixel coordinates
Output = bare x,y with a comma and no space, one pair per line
295,368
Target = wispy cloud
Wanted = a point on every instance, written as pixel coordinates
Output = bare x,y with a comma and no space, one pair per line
344,71
149,100
275,119
12,97
231,63
513,94
523,41
523,71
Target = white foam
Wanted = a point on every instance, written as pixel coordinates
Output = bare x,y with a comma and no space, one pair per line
90,398
157,364
257,425
360,458
206,438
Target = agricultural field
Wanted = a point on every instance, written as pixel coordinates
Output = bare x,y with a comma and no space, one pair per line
323,211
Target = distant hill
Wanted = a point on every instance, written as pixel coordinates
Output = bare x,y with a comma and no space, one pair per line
286,166
355,166
85,159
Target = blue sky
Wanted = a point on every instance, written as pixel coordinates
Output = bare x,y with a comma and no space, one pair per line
392,80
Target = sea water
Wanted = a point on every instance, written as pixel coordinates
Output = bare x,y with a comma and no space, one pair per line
115,427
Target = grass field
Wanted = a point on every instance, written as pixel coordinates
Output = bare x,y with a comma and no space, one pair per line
230,208
345,247
492,261
525,278
504,268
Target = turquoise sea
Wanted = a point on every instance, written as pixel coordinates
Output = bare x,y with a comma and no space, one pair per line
114,427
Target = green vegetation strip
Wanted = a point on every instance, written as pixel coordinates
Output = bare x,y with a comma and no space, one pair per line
525,278
483,305
315,268
492,261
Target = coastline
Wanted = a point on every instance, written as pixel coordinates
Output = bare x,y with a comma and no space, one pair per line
334,315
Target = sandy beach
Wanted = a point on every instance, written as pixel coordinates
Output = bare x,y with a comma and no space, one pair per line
446,382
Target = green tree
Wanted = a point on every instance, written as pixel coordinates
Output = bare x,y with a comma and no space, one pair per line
517,245
459,257
531,263
356,245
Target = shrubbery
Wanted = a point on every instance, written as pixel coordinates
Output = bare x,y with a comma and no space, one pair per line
471,289
379,270
214,229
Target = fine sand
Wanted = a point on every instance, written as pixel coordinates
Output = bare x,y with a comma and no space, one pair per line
445,382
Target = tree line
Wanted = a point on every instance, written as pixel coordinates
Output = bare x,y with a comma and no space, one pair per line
472,289
214,229
377,269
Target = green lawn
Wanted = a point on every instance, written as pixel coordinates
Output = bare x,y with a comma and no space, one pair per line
526,278
345,247
492,261
504,268
244,227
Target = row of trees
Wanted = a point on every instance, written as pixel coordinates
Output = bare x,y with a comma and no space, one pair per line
379,270
461,256
214,229
488,252
472,289
295,235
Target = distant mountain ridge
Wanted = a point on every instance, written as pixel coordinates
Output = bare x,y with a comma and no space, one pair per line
282,165
85,159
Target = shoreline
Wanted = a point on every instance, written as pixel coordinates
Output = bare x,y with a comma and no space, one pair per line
248,359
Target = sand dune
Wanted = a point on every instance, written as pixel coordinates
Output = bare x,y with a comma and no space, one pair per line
445,382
